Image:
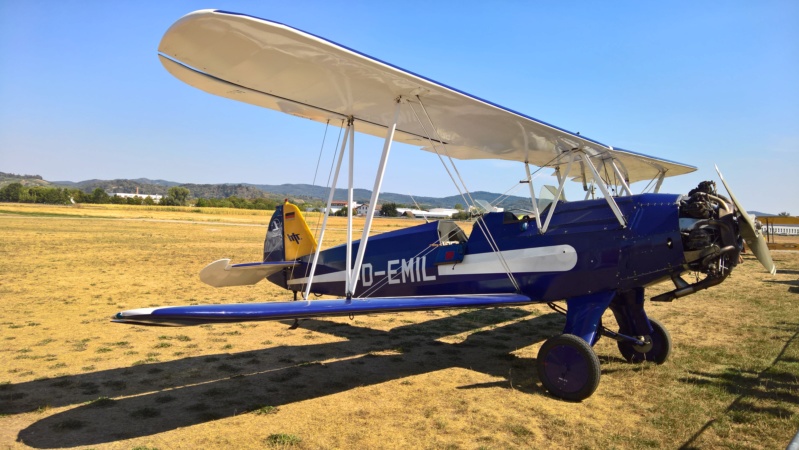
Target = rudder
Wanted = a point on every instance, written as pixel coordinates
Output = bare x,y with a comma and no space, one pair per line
288,237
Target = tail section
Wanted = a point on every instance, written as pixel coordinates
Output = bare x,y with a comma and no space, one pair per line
288,237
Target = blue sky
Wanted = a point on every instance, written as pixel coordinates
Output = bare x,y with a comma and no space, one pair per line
82,94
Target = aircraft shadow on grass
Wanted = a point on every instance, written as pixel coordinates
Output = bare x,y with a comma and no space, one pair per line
793,286
770,384
165,396
788,272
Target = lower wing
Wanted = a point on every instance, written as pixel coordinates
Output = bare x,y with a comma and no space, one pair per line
242,312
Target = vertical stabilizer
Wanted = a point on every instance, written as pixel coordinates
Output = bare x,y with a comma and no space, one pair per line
297,238
288,237
274,250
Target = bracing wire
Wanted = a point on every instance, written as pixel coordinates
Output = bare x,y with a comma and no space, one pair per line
446,168
504,196
384,281
452,163
335,152
607,177
330,173
480,223
321,148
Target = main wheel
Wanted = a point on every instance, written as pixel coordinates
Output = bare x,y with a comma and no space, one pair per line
568,367
656,351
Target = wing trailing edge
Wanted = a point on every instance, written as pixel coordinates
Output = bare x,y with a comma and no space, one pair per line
243,312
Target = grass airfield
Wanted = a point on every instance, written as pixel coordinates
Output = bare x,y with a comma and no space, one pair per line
460,379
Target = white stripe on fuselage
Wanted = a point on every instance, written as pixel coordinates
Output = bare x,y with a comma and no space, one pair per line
556,258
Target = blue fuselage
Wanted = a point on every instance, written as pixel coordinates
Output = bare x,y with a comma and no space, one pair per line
585,250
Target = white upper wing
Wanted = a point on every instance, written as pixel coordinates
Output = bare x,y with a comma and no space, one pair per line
278,67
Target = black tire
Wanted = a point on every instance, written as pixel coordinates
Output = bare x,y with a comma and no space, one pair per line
658,354
568,367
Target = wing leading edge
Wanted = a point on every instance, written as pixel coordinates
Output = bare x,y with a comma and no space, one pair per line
242,312
278,67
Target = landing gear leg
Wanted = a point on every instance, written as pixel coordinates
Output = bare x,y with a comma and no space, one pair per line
628,308
656,348
296,323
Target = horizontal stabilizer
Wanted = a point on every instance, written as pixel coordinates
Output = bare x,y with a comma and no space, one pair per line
221,273
241,312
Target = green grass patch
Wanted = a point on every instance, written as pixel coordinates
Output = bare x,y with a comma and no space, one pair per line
266,410
282,439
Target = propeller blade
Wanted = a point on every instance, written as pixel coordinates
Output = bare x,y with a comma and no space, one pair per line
749,232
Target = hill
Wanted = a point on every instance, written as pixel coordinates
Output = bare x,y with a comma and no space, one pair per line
139,181
160,187
25,180
303,192
363,196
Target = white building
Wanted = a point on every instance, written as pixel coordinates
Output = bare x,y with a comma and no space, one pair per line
338,205
784,230
361,210
436,213
446,212
156,198
780,225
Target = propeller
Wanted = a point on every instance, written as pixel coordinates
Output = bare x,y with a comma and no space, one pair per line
750,233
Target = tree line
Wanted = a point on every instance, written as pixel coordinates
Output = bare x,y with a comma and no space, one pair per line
16,175
176,196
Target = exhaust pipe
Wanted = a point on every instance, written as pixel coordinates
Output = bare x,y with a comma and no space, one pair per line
683,288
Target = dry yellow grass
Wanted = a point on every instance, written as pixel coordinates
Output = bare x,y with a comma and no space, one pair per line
455,379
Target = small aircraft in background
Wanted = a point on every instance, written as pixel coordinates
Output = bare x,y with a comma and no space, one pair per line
595,254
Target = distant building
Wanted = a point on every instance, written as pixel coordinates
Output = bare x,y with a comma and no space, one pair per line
780,225
785,230
436,213
361,210
338,205
445,212
156,198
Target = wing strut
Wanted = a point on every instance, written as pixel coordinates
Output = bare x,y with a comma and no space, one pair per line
353,272
375,195
479,222
661,176
351,179
622,178
604,189
562,182
657,179
349,130
532,196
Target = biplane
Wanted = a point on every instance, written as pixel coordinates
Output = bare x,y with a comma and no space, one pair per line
597,253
